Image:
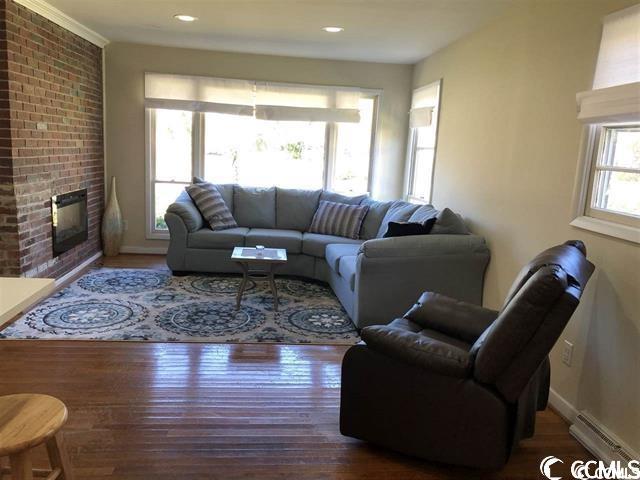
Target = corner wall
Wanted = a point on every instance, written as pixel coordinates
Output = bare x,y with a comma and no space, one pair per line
507,157
125,67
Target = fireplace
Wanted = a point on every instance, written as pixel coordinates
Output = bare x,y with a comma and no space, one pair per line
69,220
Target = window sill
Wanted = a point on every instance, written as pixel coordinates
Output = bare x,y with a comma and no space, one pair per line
605,227
156,235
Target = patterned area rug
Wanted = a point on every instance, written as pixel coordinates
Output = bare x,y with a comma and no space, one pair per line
152,305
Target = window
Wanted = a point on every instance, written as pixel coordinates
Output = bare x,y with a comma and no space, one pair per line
422,142
291,136
615,192
608,197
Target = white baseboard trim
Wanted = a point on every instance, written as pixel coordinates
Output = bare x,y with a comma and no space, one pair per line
69,275
562,406
143,250
585,435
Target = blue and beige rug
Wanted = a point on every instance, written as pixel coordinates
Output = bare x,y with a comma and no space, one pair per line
152,305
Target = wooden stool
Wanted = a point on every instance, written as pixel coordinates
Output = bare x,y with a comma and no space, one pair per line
26,421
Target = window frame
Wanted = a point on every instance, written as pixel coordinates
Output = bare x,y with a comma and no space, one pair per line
412,151
198,150
586,216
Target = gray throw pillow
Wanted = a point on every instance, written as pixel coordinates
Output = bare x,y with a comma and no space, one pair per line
211,206
398,212
338,219
225,189
449,223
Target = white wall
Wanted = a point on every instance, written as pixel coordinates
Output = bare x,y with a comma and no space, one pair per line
507,156
126,63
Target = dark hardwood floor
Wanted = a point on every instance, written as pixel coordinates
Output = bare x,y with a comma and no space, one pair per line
221,411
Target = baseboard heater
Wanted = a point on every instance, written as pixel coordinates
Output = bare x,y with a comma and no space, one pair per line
600,442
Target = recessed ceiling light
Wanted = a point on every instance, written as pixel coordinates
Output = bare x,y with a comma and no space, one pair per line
185,18
333,29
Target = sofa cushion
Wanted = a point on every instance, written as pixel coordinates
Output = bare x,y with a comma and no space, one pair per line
254,207
347,270
339,198
314,244
449,223
399,211
422,214
295,208
211,205
206,238
373,220
339,219
335,251
291,240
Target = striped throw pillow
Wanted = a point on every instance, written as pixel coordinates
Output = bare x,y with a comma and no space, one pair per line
211,205
338,219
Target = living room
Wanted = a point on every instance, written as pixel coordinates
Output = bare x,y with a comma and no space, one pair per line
320,239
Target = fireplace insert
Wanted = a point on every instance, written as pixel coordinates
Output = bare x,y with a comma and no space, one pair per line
69,220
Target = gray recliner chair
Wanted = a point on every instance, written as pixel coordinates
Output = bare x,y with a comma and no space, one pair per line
456,383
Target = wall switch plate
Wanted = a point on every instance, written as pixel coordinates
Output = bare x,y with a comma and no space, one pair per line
567,353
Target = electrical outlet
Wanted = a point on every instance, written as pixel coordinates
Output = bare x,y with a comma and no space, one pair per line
125,225
567,353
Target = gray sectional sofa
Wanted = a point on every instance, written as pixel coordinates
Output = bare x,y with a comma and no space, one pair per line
376,279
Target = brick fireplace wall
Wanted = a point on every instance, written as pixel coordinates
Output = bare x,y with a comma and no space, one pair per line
51,138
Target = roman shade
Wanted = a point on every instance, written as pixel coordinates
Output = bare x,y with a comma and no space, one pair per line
198,94
292,102
423,102
616,86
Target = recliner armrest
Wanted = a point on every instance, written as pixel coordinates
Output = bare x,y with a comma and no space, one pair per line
450,316
418,350
423,245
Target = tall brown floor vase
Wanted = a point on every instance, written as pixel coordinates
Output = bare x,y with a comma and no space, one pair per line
112,224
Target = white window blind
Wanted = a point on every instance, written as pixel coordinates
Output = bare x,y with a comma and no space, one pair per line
616,87
198,94
276,101
423,102
269,101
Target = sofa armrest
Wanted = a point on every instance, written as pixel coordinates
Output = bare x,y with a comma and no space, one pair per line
450,316
419,350
423,245
188,212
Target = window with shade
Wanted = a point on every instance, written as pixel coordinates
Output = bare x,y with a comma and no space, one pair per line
423,123
609,174
256,134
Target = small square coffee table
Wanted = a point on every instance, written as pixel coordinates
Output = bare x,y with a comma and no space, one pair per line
248,257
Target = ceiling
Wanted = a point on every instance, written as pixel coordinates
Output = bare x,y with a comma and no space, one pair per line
394,31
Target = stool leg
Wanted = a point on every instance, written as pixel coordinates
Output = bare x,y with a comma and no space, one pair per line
21,468
58,457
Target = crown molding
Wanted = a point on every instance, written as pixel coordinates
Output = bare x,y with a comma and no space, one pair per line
56,16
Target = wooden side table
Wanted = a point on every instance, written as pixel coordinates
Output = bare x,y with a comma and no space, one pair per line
26,421
270,258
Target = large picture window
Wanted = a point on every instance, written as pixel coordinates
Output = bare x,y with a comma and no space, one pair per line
306,137
422,142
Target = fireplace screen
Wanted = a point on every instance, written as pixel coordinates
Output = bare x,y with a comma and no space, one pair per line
69,220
